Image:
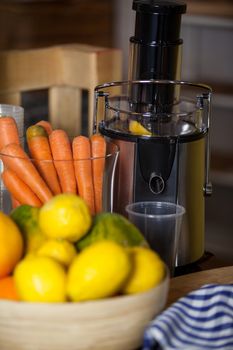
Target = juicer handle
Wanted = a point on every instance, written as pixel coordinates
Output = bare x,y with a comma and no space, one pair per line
208,188
98,94
201,101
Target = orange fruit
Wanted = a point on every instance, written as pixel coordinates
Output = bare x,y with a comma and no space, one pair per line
11,245
7,289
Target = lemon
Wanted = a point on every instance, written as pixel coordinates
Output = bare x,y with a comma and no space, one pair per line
65,216
137,128
148,270
40,279
58,249
98,271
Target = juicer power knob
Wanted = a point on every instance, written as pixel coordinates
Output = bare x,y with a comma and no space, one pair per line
156,183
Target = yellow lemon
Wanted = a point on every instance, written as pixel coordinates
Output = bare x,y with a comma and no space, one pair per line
98,271
11,245
58,249
65,216
137,128
148,270
40,279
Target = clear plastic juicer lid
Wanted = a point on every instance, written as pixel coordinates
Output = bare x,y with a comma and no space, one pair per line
154,108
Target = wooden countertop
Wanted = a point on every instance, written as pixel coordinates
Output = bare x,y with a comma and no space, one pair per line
180,286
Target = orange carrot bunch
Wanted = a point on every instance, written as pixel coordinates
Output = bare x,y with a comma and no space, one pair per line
83,170
39,148
54,164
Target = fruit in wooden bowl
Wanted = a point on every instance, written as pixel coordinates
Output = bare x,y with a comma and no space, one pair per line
115,323
101,297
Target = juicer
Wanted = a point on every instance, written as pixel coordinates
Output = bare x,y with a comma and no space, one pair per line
161,125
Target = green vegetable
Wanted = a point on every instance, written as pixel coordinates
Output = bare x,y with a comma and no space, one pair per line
26,218
114,227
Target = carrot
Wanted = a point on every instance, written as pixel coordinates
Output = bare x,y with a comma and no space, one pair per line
39,148
8,131
15,159
83,170
98,151
46,125
14,202
18,189
63,160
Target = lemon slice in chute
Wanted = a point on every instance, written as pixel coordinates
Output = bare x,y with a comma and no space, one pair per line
137,128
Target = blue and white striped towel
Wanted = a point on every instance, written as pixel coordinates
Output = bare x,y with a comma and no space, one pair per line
201,320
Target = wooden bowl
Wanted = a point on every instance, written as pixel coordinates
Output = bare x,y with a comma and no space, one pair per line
116,323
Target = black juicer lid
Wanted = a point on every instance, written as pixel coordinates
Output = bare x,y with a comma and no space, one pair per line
157,22
159,6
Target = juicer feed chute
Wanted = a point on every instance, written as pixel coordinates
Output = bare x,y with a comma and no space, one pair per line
156,50
163,156
155,47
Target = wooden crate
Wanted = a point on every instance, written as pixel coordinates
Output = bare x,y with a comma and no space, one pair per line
65,71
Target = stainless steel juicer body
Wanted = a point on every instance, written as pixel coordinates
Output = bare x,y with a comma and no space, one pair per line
160,124
166,160
184,186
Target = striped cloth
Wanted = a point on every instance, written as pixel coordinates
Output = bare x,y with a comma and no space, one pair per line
201,320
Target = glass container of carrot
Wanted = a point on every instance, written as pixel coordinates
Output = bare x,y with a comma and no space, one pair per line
13,121
50,163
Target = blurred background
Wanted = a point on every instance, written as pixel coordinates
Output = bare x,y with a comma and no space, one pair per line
207,31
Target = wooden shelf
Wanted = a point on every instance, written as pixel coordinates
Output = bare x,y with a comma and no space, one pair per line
221,88
221,178
33,24
216,8
221,172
